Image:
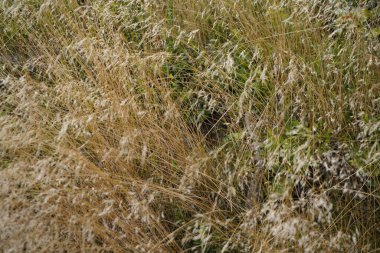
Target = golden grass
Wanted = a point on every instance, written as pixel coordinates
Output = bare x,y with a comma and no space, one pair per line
196,126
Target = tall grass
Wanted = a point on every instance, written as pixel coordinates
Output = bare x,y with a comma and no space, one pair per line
189,126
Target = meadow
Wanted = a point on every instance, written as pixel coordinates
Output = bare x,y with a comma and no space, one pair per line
189,126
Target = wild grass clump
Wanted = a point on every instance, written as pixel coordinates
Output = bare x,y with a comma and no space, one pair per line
189,126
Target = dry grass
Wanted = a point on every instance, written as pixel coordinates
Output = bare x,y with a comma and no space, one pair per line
189,126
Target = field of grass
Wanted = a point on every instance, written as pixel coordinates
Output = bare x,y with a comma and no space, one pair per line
189,126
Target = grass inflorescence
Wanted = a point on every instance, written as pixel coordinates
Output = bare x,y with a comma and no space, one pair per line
189,126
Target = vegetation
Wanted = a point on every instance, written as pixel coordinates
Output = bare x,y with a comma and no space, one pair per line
189,126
